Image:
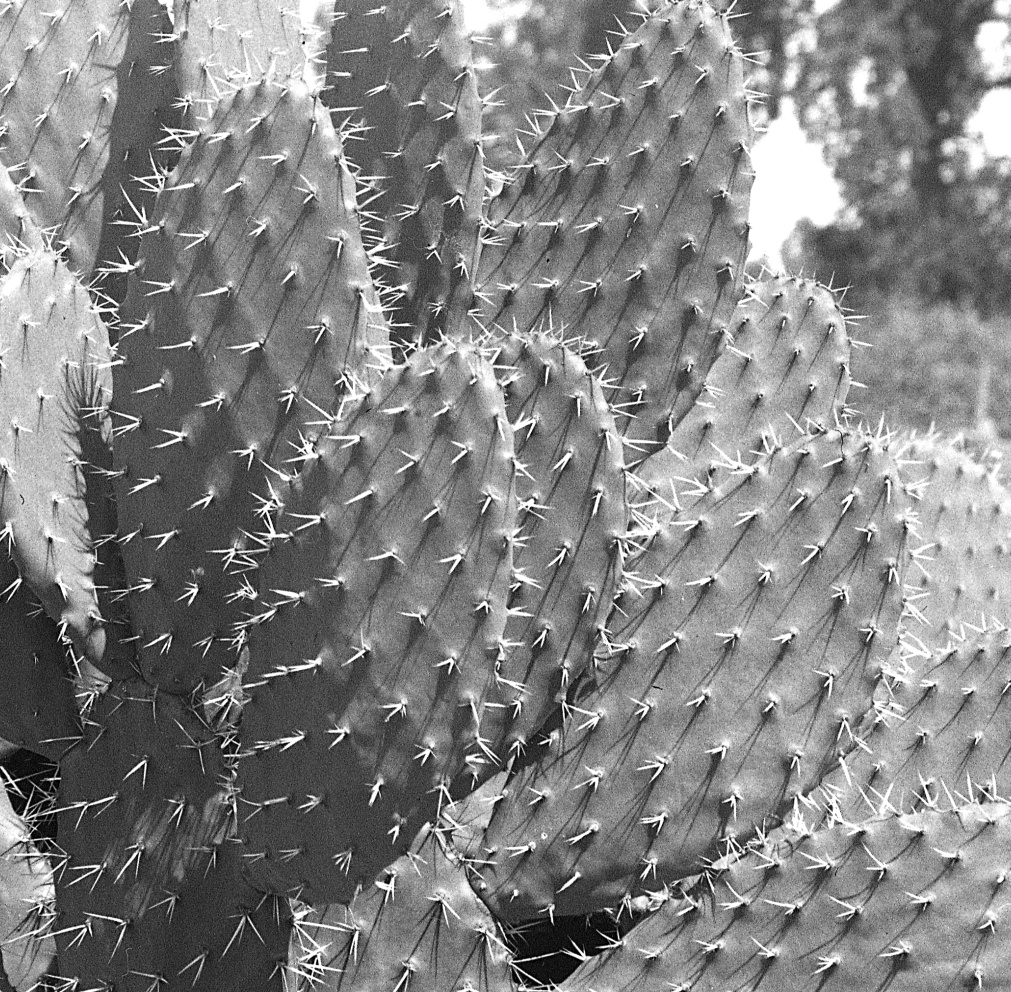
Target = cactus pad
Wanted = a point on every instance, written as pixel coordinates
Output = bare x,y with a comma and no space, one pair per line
54,371
82,104
626,222
26,903
418,926
253,314
573,519
784,372
223,44
152,884
942,730
903,903
408,71
744,655
38,711
965,515
372,655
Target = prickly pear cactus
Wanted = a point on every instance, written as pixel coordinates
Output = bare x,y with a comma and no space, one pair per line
396,559
898,902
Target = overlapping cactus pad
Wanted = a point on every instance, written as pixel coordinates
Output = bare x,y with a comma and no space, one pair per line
572,516
384,608
627,222
966,509
691,732
56,370
784,372
419,924
253,311
395,556
151,882
904,902
943,730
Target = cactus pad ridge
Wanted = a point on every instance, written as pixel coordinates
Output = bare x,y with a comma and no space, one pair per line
252,315
373,645
626,222
902,902
160,891
744,656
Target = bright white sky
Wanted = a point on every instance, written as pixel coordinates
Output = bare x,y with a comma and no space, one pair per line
792,180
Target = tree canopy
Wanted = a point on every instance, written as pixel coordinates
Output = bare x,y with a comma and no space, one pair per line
889,89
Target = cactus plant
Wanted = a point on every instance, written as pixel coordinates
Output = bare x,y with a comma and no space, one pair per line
395,557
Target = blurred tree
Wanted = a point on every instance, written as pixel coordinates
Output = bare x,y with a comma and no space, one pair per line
889,89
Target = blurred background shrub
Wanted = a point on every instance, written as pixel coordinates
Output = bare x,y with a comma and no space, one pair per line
934,365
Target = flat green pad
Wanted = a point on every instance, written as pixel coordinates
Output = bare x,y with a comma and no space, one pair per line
152,884
744,654
252,316
418,926
373,647
626,223
905,904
